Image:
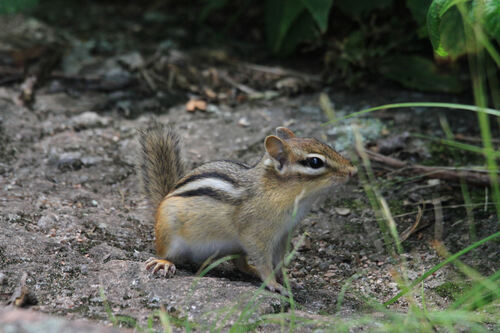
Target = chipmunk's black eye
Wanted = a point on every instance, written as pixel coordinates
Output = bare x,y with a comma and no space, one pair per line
315,162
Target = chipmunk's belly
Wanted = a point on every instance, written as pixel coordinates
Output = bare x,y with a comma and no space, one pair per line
197,252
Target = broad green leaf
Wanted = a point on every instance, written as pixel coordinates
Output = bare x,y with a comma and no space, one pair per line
359,7
492,18
419,73
446,29
319,9
449,4
452,33
303,29
434,21
281,14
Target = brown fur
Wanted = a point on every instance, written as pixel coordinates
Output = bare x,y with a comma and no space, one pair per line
161,165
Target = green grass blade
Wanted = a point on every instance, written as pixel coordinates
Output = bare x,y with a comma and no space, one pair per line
459,145
441,264
421,104
217,263
475,291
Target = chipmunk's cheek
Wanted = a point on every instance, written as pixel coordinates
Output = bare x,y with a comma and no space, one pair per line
329,183
339,180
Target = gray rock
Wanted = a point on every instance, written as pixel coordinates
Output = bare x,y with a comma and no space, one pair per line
47,222
104,252
132,61
129,285
88,120
66,161
16,320
91,160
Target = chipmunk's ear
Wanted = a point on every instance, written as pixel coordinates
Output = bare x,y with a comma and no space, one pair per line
277,149
284,133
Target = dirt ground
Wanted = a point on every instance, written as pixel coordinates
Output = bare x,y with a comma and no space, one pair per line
72,217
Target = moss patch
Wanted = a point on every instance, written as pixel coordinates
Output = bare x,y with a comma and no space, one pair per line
397,207
452,290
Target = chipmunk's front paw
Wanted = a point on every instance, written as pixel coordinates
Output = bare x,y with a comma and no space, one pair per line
293,284
159,264
276,287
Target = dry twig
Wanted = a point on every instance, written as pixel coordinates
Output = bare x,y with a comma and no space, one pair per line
244,88
470,176
407,233
279,71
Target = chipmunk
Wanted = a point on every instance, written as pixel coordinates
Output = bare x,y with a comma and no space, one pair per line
227,207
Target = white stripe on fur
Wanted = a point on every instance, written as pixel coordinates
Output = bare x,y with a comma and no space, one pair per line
213,183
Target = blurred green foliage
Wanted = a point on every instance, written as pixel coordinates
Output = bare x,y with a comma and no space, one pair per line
15,6
360,7
419,73
290,22
383,37
352,39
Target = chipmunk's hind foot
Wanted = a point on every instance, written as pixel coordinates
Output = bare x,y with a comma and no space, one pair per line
156,265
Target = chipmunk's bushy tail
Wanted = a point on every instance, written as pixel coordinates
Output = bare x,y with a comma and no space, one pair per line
161,165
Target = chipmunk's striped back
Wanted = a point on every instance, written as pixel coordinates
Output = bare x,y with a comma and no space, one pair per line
209,181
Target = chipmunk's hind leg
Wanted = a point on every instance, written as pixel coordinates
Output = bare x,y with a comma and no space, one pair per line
242,264
156,264
162,241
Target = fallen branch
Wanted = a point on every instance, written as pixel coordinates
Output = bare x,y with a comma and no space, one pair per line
470,176
279,71
244,88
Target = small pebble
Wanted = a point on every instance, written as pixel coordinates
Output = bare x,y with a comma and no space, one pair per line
89,120
84,269
330,274
342,211
243,122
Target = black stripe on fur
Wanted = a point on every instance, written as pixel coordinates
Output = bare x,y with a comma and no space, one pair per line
209,192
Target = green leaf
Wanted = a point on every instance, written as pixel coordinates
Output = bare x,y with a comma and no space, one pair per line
290,22
446,29
449,4
319,9
492,18
359,7
280,16
303,29
434,22
419,73
453,34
